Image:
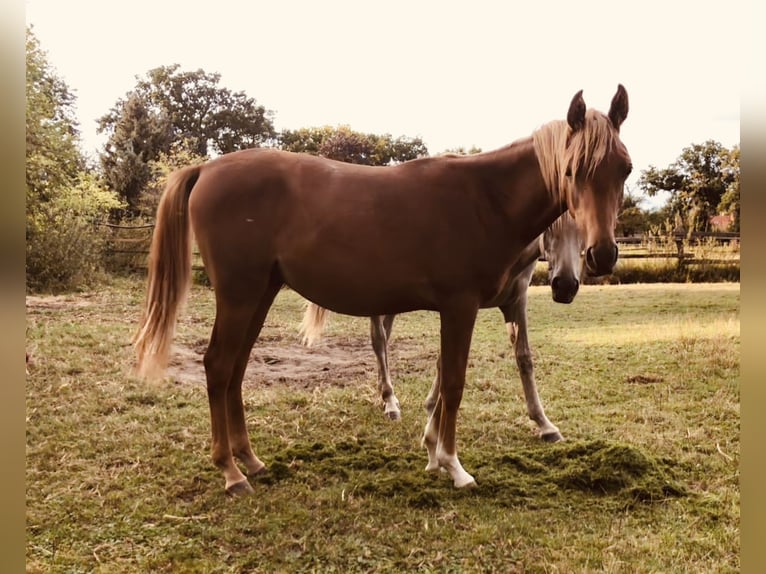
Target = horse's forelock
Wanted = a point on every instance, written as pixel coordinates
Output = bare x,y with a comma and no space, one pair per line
559,150
560,223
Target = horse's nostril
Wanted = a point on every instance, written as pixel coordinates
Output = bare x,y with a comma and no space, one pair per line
564,288
601,259
590,259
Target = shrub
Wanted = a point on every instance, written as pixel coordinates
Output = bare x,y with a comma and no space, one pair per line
65,244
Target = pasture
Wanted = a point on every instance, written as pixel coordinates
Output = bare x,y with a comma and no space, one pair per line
642,380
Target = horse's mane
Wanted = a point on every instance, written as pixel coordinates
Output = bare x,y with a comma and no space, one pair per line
559,150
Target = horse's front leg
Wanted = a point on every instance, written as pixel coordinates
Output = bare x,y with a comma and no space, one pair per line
457,324
516,325
380,330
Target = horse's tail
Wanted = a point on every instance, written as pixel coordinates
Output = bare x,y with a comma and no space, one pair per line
169,274
313,323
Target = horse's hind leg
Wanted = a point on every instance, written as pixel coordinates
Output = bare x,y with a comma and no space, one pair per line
237,325
238,437
516,325
433,395
380,329
431,432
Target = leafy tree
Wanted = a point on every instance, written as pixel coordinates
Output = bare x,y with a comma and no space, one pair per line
179,155
403,149
344,144
730,199
460,150
53,158
140,135
64,248
659,218
631,219
305,140
697,182
170,105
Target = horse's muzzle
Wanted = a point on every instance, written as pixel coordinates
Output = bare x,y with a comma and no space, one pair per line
564,289
601,258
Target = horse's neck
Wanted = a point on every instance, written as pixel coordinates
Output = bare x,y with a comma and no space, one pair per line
521,190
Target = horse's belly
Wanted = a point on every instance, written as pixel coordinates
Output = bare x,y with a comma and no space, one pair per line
357,289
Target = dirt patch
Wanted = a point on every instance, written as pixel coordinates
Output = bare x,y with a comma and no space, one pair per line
336,361
35,302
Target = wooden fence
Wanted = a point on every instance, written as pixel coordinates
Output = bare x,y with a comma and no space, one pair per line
128,247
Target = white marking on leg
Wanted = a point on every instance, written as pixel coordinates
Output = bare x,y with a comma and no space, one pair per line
451,464
391,408
429,442
513,332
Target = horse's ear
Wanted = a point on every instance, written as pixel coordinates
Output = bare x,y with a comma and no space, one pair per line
618,111
576,114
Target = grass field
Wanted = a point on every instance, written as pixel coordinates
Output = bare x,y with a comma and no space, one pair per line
642,380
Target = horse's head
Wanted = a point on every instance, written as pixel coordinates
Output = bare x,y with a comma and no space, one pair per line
562,248
596,166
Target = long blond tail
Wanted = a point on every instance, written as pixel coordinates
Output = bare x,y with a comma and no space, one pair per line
313,323
169,275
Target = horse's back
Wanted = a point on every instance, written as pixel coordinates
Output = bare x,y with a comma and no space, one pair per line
328,228
356,239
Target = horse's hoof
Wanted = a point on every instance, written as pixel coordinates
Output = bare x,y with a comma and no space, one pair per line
241,488
466,485
552,437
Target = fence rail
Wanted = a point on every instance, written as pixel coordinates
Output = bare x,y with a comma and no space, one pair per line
128,247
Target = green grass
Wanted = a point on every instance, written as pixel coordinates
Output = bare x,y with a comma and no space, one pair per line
642,380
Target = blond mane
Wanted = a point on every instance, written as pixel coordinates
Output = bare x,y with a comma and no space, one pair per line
559,150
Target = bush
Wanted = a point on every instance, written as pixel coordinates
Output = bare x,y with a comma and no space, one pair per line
668,271
65,243
659,270
180,155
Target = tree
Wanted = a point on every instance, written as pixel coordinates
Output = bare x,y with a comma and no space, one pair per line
53,158
697,182
305,140
140,135
180,155
631,219
730,199
344,144
170,105
460,150
64,247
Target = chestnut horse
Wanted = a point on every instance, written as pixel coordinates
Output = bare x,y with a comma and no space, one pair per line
560,245
438,234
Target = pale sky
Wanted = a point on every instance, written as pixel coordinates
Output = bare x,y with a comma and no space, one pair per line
455,74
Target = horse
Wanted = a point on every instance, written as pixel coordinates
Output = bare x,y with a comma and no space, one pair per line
560,246
437,233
